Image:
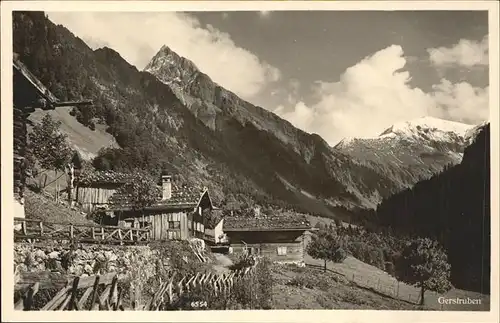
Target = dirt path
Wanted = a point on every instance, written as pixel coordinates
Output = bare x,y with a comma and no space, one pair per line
222,263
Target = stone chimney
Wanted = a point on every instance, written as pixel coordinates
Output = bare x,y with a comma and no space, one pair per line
166,186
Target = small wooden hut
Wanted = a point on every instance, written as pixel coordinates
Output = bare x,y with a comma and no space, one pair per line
278,237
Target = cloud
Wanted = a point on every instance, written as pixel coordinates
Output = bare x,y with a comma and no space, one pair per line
375,93
137,37
461,101
466,53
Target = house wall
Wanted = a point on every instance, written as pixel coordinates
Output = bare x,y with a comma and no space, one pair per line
294,250
92,197
163,225
216,232
169,226
195,226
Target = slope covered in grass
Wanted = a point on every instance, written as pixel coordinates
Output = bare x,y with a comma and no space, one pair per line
43,207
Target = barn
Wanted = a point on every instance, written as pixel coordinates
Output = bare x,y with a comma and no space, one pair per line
278,237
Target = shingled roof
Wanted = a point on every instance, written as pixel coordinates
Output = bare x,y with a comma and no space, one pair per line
182,197
89,179
280,222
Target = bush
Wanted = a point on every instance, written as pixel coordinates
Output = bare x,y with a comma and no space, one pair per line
339,256
242,262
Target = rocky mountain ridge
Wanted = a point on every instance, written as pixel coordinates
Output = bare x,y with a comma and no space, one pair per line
415,154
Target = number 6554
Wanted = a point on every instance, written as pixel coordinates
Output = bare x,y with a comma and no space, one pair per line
198,304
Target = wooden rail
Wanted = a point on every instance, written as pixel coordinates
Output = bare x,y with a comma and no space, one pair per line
30,229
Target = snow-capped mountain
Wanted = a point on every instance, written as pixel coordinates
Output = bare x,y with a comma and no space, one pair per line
429,128
422,129
412,150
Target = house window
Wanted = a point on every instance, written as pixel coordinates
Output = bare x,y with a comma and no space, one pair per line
174,224
282,251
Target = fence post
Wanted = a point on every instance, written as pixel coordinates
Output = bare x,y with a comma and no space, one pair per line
74,290
41,228
94,292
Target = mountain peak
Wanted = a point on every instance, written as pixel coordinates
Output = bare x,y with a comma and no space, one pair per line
173,67
427,125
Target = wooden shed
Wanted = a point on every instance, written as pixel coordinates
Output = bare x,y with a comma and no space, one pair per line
278,237
93,189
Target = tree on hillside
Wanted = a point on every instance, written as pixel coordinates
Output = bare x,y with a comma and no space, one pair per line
326,245
50,147
140,193
423,263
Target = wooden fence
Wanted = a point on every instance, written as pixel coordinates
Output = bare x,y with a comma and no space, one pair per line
376,286
169,292
30,229
111,297
68,296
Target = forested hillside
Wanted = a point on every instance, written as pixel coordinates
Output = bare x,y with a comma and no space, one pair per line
453,207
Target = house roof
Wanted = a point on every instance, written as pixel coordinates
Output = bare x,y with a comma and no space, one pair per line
183,197
34,90
33,81
213,218
282,222
97,178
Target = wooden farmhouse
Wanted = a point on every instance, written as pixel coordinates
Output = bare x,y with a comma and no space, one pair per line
28,94
280,238
178,214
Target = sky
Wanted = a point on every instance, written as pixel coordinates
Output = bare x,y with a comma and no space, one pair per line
335,73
